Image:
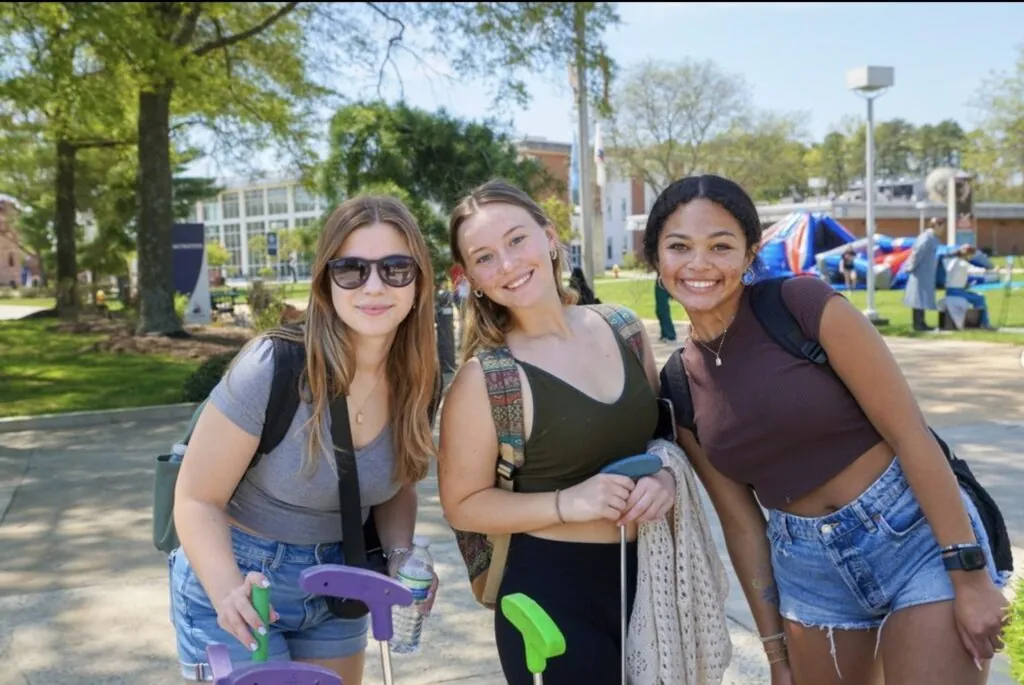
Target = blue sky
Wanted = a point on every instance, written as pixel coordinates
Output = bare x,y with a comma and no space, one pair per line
793,56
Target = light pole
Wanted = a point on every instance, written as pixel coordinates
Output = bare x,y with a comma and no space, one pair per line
921,206
870,83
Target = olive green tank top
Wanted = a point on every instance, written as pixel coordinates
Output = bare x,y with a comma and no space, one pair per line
574,435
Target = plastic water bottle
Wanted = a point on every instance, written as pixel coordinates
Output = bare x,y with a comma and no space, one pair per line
417,574
177,453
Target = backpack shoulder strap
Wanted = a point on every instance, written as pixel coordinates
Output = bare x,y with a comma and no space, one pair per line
774,316
506,397
289,363
626,324
675,386
195,419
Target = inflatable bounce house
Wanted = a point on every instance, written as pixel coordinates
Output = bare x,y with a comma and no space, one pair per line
813,243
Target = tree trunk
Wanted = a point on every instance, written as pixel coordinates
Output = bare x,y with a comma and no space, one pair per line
156,285
67,260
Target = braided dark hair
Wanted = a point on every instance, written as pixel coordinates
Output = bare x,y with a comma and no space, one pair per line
725,193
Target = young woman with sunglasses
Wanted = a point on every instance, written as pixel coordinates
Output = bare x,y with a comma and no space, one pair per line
368,333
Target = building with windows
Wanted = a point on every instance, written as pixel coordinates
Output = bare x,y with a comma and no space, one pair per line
247,210
11,275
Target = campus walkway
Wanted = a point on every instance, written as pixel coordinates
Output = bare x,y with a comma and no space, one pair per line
84,597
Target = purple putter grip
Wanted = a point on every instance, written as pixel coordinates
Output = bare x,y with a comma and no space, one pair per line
220,662
377,591
277,673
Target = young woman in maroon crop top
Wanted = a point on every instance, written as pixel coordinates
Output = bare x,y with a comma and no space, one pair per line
867,527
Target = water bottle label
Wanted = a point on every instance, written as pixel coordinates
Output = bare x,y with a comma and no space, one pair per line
420,587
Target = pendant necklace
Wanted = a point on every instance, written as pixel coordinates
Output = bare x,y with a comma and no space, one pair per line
721,342
359,412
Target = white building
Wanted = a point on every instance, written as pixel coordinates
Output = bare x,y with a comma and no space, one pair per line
245,210
623,199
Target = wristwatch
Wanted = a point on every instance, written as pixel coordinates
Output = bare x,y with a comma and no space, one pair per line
964,558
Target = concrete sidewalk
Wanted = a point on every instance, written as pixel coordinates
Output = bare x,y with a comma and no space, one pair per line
84,597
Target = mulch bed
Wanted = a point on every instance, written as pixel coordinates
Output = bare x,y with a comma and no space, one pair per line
202,342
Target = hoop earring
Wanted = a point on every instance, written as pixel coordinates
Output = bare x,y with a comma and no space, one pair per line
479,293
554,255
661,283
748,276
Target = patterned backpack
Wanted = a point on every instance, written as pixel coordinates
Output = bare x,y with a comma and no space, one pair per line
485,555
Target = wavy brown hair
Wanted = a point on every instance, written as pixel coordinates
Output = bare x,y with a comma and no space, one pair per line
411,366
486,321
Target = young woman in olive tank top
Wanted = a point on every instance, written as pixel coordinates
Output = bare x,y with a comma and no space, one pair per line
587,402
846,579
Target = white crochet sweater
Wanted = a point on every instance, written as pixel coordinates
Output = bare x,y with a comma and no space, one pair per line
678,633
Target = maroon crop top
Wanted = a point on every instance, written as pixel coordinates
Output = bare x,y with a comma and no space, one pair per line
768,419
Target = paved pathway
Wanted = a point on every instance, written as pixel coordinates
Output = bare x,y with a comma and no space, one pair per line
17,311
83,594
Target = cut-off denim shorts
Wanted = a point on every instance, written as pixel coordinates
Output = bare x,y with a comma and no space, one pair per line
305,630
877,555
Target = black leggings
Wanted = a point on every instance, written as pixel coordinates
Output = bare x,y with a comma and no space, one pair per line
577,583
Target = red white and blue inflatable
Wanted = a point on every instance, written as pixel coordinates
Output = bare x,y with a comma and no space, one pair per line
813,243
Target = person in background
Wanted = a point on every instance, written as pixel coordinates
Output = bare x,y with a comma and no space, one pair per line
578,282
663,310
847,268
922,266
958,267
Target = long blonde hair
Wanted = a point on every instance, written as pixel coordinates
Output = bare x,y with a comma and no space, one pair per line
411,366
486,321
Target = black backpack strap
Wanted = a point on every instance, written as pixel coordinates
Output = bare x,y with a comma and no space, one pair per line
675,386
774,316
289,363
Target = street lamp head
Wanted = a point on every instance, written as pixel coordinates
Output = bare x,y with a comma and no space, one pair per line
869,79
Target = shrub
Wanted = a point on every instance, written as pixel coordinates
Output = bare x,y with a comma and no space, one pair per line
203,380
1014,635
266,305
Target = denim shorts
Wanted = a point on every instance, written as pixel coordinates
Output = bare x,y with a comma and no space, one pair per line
305,630
851,569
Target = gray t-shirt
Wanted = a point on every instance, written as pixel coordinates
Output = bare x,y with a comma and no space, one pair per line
275,498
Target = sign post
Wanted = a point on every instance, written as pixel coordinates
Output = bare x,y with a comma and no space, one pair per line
191,273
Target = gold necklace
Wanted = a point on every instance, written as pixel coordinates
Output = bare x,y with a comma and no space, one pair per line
718,357
359,412
721,342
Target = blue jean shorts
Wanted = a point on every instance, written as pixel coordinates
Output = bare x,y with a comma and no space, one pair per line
851,569
305,630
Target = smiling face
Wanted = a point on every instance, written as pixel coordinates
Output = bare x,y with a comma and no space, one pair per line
702,254
508,255
375,308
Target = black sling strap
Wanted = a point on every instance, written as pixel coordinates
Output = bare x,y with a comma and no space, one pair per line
353,538
348,484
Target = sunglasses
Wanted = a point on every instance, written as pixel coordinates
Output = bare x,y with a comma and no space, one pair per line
397,271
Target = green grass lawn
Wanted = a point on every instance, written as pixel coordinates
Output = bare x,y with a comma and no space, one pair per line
42,371
639,296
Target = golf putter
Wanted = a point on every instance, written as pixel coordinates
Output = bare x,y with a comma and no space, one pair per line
378,592
261,603
261,672
541,637
636,467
